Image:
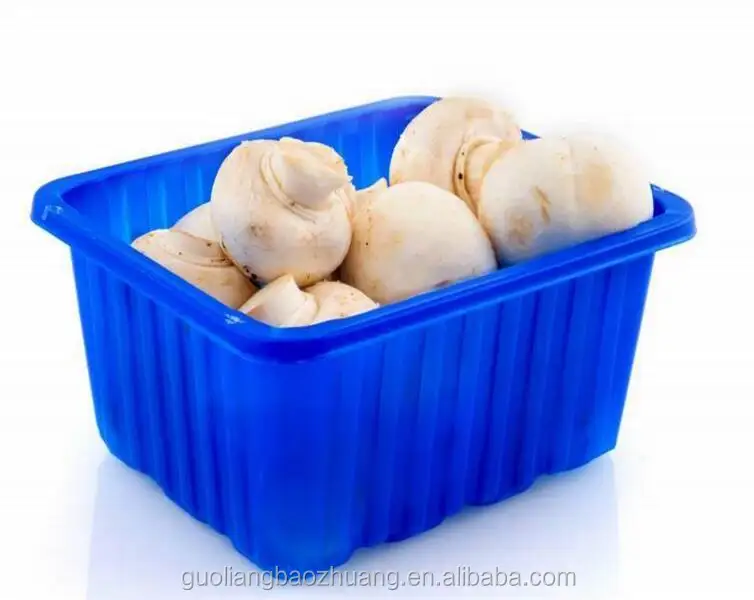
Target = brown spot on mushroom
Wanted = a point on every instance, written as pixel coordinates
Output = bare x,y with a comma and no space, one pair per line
520,229
544,204
596,184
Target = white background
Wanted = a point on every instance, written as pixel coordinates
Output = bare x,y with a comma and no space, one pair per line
667,514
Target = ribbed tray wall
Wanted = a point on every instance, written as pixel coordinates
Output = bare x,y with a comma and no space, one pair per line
301,464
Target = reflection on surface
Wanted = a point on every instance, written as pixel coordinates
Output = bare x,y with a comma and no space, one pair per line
143,545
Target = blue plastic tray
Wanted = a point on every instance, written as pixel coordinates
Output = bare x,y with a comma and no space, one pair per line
302,445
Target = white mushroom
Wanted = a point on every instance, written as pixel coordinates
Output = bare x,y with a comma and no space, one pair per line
551,193
411,238
451,143
198,222
336,300
200,262
280,208
282,303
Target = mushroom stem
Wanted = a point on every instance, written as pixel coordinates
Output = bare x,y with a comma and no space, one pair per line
281,303
303,177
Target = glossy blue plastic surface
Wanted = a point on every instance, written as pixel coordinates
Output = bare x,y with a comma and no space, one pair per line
302,445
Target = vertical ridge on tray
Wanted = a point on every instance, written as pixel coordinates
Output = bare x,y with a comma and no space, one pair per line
122,225
171,195
561,296
202,455
613,313
408,377
553,420
93,293
537,375
213,413
118,308
192,185
135,198
446,444
346,448
141,387
338,141
194,438
156,200
386,136
428,400
389,413
176,377
505,404
253,407
229,424
322,417
585,418
466,401
369,156
490,323
559,418
370,481
151,400
514,477
575,350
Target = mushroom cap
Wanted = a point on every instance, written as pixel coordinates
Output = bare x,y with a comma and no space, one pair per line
198,222
364,194
550,193
336,300
432,147
199,261
411,238
613,192
281,304
279,209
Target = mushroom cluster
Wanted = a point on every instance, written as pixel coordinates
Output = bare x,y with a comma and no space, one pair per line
286,239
